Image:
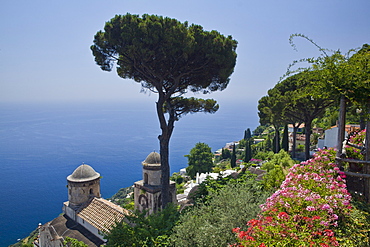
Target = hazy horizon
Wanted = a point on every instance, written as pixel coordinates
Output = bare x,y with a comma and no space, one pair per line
45,50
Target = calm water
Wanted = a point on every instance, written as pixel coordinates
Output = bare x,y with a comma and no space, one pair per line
40,145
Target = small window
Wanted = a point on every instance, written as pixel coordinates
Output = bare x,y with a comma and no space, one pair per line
145,178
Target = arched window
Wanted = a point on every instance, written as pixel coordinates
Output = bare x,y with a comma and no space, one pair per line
145,178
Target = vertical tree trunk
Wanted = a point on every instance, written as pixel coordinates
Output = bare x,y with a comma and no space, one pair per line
308,127
294,145
165,169
367,139
367,158
277,140
164,139
341,125
362,121
285,141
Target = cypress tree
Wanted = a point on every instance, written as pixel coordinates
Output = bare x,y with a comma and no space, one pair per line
233,158
247,134
248,143
248,151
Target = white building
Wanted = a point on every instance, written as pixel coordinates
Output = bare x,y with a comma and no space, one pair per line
200,178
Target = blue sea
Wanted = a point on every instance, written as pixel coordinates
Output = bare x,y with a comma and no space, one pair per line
41,144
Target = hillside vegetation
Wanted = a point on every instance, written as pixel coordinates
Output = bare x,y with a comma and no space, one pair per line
307,203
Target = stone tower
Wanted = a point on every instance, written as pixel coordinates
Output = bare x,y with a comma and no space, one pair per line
83,184
147,192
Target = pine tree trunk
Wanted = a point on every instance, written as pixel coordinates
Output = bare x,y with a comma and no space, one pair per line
294,146
285,142
308,137
367,158
341,125
277,140
165,169
164,140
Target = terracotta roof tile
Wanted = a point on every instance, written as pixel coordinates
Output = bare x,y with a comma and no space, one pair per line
66,227
102,214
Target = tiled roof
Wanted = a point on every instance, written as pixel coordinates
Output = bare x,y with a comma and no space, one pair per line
66,227
102,214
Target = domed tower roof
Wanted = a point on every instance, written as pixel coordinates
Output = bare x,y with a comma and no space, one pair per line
153,158
83,173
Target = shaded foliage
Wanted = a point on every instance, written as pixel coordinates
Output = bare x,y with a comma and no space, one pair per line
209,224
277,167
143,230
71,242
226,154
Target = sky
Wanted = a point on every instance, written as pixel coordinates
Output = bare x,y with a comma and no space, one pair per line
45,45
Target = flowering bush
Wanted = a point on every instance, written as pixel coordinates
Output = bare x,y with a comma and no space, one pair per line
306,210
358,139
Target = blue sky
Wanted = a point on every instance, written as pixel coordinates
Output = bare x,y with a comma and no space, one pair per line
45,55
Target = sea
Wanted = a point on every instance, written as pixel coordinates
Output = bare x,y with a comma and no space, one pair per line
41,144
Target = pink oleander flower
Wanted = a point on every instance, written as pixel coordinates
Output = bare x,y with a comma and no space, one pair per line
310,208
324,223
325,207
310,201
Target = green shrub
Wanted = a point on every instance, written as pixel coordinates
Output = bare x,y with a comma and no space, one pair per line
277,167
208,224
71,242
142,230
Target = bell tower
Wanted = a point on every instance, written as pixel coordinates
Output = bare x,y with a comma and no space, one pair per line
147,192
83,184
